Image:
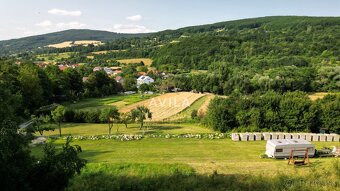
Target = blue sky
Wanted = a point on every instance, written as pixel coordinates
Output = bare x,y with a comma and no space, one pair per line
21,18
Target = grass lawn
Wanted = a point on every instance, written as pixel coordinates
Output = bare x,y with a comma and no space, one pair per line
117,100
203,155
55,56
88,129
188,163
146,61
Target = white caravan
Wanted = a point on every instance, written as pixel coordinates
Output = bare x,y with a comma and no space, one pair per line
281,148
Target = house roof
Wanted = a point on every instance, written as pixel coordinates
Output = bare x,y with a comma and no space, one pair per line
118,78
144,78
62,68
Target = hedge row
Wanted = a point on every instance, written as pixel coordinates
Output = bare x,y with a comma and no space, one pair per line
83,116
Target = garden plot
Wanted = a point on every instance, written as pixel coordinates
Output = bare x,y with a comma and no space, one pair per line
166,105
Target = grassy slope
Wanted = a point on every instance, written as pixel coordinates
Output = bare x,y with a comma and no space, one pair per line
185,115
119,101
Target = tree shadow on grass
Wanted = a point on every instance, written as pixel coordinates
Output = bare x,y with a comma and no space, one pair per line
165,127
92,153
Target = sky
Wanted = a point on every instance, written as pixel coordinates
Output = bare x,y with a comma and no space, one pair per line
20,18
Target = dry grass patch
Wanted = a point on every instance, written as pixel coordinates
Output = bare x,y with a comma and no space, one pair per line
166,105
146,61
107,51
319,95
75,43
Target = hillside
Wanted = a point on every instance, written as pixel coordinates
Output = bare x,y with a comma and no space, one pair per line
33,42
244,42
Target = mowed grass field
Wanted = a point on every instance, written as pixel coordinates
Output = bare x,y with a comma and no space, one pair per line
89,129
119,101
204,155
75,43
185,115
146,61
54,57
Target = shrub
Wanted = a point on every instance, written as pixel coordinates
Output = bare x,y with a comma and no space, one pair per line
79,116
92,116
69,115
194,114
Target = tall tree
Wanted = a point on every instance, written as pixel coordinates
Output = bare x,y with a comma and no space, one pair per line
58,116
109,115
140,114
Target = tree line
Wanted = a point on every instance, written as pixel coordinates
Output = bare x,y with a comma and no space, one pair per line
38,87
224,79
272,111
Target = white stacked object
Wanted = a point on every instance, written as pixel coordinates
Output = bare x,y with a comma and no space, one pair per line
336,137
274,136
258,136
322,137
308,137
287,135
315,137
295,136
281,135
244,136
266,136
329,137
302,136
251,137
235,137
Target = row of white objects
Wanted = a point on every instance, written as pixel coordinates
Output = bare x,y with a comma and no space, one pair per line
270,136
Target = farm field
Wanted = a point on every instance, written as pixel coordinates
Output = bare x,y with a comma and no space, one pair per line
166,105
147,61
107,51
75,43
119,101
55,56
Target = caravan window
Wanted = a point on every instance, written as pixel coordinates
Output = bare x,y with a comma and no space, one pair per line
279,150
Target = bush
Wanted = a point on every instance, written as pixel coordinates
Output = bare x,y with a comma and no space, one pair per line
194,114
92,116
69,115
79,116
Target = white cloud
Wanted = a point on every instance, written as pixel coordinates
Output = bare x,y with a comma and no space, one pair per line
48,25
71,25
134,18
45,23
120,28
61,12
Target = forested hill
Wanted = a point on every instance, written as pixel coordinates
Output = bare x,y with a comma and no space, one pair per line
245,42
33,42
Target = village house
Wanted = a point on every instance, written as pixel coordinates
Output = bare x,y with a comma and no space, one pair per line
144,80
85,79
116,72
97,68
63,67
108,71
119,79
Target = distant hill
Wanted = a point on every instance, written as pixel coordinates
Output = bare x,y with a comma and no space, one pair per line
256,41
33,42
